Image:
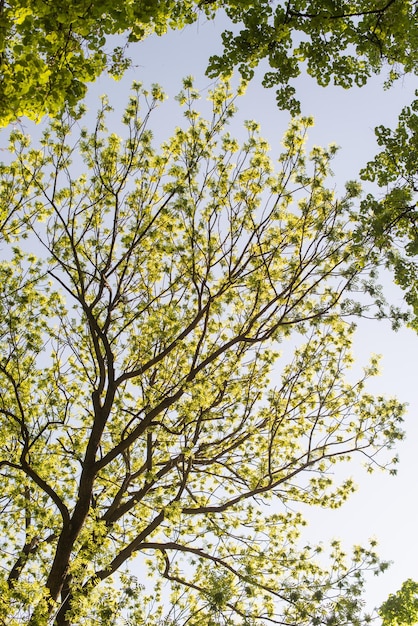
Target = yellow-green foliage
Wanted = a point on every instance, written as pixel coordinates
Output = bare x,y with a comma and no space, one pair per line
50,51
145,407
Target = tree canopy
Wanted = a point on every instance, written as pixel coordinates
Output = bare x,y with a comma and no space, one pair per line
393,213
50,51
176,322
145,408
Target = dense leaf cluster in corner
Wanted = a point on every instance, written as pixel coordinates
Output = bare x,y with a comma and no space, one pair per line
401,608
49,52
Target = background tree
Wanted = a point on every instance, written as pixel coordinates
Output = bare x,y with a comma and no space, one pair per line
144,406
393,213
49,52
344,42
401,608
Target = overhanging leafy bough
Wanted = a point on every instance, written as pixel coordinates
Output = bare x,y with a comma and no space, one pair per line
50,52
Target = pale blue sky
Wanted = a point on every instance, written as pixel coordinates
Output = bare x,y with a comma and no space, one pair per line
384,507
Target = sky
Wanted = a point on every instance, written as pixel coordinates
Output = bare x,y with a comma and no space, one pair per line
384,507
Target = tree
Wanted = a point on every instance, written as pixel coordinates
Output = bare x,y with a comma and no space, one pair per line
49,52
145,408
401,608
344,42
394,214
